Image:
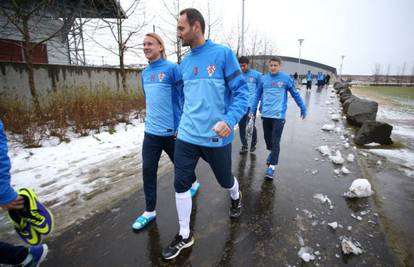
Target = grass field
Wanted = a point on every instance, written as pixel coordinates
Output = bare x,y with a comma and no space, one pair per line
384,91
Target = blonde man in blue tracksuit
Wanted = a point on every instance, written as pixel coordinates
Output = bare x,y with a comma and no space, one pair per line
273,91
10,200
162,87
216,97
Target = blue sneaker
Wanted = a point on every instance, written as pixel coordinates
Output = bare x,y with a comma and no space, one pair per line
141,222
194,191
268,159
38,254
269,173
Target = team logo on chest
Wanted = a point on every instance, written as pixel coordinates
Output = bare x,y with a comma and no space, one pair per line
195,71
280,84
161,76
211,69
251,79
273,84
152,77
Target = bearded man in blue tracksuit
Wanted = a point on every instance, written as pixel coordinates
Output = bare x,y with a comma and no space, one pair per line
273,91
162,87
10,200
252,78
215,98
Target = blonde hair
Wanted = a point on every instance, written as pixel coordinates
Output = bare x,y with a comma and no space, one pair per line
160,41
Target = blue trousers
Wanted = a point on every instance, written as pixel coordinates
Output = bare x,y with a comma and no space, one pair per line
242,130
272,129
187,156
12,255
151,152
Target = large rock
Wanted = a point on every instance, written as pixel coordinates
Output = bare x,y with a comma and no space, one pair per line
347,102
339,86
345,97
345,91
374,131
361,110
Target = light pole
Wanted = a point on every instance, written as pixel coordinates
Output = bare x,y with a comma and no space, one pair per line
242,31
300,50
342,62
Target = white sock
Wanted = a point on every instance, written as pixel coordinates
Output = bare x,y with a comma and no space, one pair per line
149,214
184,204
234,191
272,167
195,185
28,258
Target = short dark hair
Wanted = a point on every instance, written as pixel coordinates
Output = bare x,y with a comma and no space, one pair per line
244,60
194,15
277,59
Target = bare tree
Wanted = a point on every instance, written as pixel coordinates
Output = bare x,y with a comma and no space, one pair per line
412,75
403,72
29,18
377,72
387,75
123,29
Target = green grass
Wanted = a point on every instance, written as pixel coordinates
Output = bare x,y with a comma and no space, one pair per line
392,91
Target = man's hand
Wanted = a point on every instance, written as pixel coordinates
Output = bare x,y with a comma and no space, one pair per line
222,129
16,204
303,113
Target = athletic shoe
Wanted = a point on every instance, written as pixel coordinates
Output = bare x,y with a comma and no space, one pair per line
175,247
37,215
235,207
141,222
38,254
252,149
243,150
269,173
268,159
194,191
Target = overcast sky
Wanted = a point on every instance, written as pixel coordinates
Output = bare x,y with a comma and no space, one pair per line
365,31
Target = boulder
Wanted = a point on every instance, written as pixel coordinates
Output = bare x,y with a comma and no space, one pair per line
361,110
339,86
344,91
374,131
347,102
345,97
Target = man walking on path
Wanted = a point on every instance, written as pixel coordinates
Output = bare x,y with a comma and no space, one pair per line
309,80
162,87
216,97
274,87
252,78
10,200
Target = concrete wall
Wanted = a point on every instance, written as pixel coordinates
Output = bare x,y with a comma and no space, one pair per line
49,78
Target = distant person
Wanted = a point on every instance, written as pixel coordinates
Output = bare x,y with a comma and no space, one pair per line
216,97
295,80
252,78
274,87
309,78
10,200
162,87
320,79
327,78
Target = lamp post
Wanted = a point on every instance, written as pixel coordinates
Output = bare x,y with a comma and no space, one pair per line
300,50
242,31
342,62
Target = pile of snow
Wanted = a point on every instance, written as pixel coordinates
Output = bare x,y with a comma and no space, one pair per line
335,117
328,127
350,247
325,150
333,225
324,199
350,158
359,188
306,254
345,170
337,158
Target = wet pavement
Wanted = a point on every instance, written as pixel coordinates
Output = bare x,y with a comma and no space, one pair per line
276,215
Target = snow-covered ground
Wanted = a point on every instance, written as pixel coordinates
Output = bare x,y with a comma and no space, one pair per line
57,171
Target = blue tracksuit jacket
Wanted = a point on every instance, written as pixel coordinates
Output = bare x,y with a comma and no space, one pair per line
252,78
7,193
214,90
274,88
162,86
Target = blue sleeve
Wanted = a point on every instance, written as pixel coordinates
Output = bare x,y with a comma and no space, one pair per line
295,94
177,95
7,194
239,89
258,96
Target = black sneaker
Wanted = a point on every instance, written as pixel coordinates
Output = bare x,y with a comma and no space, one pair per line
243,150
252,149
235,208
175,247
